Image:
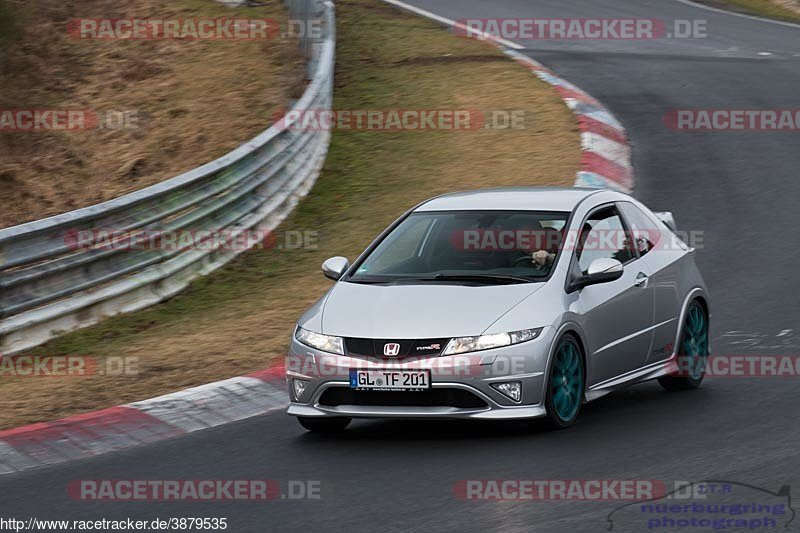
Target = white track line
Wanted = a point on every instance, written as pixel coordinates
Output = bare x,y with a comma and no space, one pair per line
741,15
453,23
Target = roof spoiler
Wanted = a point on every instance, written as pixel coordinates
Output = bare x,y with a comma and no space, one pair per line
667,218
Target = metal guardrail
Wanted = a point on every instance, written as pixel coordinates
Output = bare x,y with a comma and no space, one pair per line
48,286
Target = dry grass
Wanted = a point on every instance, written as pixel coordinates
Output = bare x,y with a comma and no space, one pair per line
240,318
788,10
780,9
195,100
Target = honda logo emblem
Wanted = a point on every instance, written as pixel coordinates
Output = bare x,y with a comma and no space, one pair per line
391,349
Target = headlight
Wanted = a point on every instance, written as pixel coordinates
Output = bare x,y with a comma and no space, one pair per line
487,342
326,343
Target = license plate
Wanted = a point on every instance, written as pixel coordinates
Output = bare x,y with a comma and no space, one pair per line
390,380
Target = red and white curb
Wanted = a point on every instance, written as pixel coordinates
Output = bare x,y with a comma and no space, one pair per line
605,163
145,422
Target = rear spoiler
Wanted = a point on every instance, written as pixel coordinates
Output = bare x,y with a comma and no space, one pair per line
667,218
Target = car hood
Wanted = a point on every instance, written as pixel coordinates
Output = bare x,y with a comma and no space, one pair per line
417,311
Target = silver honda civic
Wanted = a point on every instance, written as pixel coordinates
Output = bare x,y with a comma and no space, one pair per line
502,304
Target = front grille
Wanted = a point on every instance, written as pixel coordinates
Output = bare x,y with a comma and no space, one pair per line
439,397
408,347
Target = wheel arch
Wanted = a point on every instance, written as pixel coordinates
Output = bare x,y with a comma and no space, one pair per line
575,330
699,295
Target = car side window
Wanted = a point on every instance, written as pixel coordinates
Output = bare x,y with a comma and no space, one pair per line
603,235
644,232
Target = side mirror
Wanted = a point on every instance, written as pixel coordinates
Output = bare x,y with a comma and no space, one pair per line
334,267
601,270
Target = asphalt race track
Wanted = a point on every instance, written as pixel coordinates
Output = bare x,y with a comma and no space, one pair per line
740,189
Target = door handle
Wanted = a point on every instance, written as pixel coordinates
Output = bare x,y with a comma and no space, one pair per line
641,280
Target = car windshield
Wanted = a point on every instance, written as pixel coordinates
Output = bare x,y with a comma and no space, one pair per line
473,247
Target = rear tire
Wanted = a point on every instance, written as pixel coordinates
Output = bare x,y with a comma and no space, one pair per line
323,425
565,383
692,351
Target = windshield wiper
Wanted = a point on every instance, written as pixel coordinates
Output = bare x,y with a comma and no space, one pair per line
474,278
502,278
478,278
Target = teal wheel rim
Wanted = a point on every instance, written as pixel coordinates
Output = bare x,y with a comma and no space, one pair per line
695,343
566,383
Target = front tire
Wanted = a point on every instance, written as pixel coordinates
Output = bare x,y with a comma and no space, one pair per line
565,384
692,351
323,425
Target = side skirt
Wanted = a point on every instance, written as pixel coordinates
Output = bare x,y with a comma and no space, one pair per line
645,373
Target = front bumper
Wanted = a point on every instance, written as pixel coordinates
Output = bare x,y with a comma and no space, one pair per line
465,375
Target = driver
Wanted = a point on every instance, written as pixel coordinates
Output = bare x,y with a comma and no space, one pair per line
547,242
